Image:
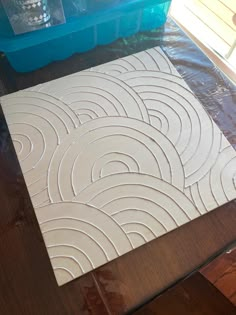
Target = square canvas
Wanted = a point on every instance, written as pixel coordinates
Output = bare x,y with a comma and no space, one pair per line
116,156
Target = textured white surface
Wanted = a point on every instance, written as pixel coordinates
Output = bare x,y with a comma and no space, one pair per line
116,156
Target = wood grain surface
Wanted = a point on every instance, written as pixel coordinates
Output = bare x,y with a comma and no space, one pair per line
138,276
195,296
27,282
221,272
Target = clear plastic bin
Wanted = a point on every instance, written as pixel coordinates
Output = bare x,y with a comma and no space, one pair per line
30,15
30,51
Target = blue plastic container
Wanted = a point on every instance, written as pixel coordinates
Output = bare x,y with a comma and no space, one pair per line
34,50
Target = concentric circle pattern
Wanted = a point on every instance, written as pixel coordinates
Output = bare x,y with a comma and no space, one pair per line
116,156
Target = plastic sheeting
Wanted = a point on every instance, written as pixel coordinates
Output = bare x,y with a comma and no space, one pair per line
213,89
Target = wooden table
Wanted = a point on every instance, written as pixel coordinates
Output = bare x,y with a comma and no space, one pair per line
193,296
27,282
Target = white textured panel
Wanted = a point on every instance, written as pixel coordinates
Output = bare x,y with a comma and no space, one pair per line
116,156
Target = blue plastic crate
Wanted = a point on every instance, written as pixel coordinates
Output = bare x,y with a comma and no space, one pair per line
34,50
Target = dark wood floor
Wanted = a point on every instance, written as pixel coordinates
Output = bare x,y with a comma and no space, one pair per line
27,282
